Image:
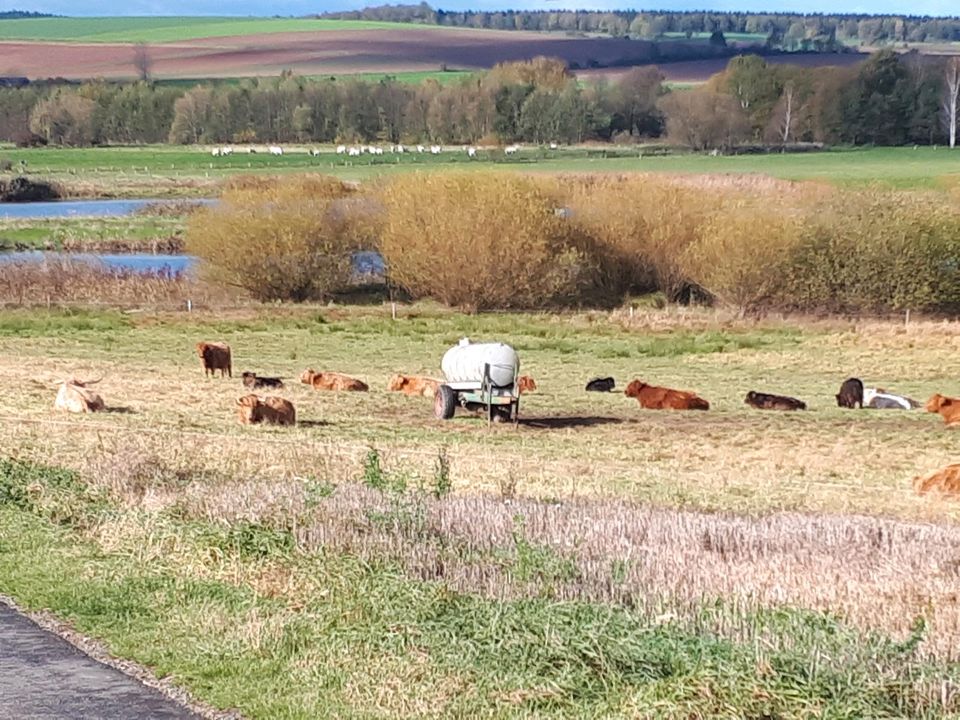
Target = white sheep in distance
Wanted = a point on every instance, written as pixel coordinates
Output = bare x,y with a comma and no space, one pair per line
341,149
314,152
399,148
435,149
471,152
511,149
275,150
420,148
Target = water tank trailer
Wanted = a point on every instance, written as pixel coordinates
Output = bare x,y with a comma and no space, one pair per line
479,376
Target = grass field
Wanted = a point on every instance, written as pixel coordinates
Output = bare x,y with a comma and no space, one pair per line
170,29
159,171
101,234
596,560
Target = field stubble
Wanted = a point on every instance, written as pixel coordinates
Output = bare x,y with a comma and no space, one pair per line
589,499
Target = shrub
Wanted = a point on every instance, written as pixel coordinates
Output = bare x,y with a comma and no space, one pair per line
280,239
876,251
740,256
643,226
482,241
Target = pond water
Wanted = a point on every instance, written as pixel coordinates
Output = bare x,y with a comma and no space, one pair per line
78,208
364,263
137,262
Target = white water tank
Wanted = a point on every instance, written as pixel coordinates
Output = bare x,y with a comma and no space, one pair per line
462,365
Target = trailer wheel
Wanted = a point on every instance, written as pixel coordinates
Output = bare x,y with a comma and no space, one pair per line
444,402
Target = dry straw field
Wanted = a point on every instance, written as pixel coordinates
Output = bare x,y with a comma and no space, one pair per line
764,507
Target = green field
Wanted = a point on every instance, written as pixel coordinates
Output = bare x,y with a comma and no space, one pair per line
178,171
170,29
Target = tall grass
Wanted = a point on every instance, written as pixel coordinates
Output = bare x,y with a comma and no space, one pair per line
248,615
61,281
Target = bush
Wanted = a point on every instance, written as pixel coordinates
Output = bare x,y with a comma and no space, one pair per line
741,257
280,239
642,226
483,241
876,251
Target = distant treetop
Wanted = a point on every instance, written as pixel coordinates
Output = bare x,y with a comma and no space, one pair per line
791,31
19,14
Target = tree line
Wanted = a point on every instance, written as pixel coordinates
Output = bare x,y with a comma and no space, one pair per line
889,99
787,30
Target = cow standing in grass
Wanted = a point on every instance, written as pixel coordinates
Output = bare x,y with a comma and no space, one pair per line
215,356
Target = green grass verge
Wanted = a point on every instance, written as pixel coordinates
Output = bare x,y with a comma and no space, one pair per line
171,29
121,233
155,171
376,644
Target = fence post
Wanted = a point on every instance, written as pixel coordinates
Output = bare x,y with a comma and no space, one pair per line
393,310
189,305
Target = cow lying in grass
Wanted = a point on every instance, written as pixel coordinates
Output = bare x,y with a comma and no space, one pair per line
947,407
254,381
74,396
526,384
945,481
764,401
271,410
413,385
606,384
332,381
851,393
880,399
660,398
215,356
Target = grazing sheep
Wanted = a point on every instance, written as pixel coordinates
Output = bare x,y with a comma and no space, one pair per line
764,401
341,149
661,398
271,410
74,396
471,152
215,356
332,381
275,150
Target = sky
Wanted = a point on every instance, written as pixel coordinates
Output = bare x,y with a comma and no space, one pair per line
303,7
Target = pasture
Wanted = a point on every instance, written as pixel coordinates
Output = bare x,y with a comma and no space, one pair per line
172,171
392,558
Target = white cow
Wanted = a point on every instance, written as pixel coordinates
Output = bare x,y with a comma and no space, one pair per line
275,150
